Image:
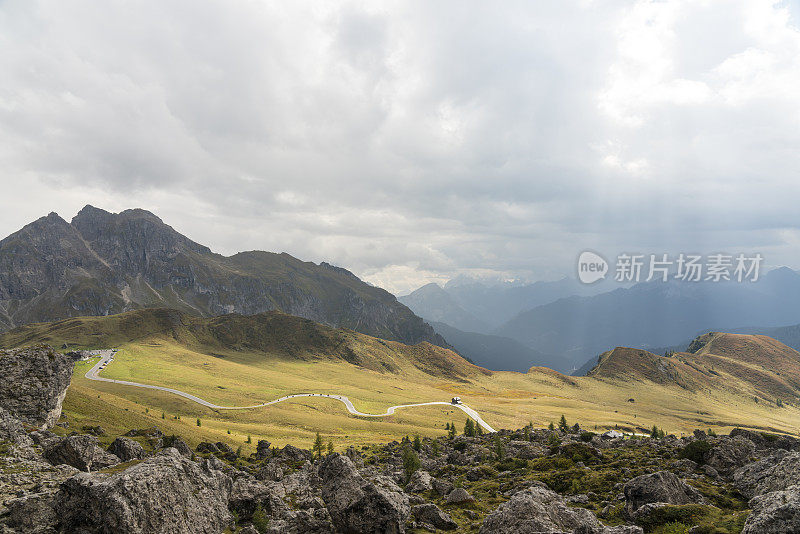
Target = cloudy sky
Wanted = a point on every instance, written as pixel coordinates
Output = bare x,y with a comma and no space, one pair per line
412,141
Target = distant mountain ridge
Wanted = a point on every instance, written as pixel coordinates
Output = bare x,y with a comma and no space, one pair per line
654,314
104,263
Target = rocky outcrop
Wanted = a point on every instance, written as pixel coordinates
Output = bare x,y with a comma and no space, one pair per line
80,452
776,512
731,454
775,472
126,449
359,505
538,509
11,429
659,487
33,383
166,493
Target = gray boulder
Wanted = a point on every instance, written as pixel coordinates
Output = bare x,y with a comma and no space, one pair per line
81,452
538,509
776,512
431,514
316,521
33,383
263,449
127,449
662,486
776,472
165,493
730,454
420,482
459,496
359,505
249,494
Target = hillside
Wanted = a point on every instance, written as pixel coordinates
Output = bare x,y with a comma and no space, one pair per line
752,365
104,263
273,334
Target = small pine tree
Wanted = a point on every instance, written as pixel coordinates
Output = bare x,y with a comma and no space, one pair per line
435,447
410,462
318,445
499,449
447,426
249,439
469,428
229,432
551,426
147,410
562,424
452,432
526,433
330,447
654,432
198,422
163,415
478,430
239,450
417,444
260,519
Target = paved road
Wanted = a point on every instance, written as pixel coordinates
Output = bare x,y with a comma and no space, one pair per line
107,357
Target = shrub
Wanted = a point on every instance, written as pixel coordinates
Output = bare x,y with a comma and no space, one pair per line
562,424
260,520
587,436
696,451
410,462
417,444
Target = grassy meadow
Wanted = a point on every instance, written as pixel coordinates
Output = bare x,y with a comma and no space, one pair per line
504,399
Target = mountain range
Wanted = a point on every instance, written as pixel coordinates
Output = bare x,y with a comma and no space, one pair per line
567,329
103,263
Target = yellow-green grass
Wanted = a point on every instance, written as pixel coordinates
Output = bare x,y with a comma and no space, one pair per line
504,399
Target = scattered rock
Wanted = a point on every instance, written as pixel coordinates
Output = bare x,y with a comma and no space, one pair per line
776,472
421,481
126,449
263,449
731,454
538,509
459,496
358,505
81,452
775,512
431,514
662,486
442,487
166,493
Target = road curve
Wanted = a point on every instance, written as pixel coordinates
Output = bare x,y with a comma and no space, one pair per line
107,356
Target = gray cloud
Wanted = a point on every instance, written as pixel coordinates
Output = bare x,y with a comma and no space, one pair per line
414,141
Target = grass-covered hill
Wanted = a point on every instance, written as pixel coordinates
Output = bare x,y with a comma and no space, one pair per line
273,334
749,364
105,263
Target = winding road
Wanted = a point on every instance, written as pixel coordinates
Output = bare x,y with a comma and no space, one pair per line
107,356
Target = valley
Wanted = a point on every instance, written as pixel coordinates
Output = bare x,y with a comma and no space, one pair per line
248,360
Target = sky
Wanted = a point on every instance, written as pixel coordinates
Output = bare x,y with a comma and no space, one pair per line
412,142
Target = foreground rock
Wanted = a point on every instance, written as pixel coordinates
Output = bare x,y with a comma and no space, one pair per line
33,383
166,493
538,509
431,514
774,473
775,512
660,487
81,452
358,505
126,449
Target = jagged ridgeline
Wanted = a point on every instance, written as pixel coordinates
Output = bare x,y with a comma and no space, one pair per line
104,263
